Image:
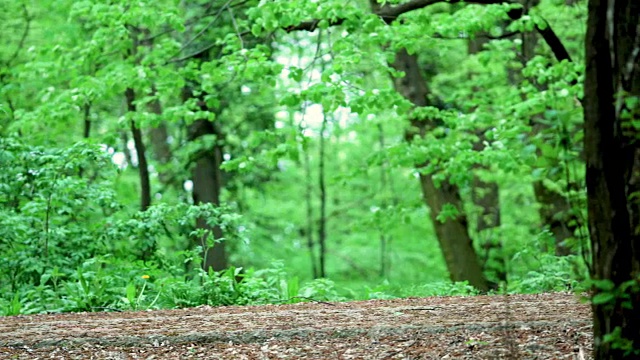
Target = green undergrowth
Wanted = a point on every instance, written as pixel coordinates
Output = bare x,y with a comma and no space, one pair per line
71,243
105,284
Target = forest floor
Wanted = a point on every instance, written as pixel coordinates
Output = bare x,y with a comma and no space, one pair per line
546,326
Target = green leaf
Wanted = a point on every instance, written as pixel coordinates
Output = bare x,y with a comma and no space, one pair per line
603,298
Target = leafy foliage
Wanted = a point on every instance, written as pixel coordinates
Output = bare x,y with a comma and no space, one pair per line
287,106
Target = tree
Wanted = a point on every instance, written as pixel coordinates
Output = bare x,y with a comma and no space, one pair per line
453,231
485,195
611,105
207,185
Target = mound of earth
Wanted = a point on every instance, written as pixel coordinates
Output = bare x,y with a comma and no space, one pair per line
545,326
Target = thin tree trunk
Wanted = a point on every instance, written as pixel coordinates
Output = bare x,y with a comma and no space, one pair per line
125,148
158,135
87,128
87,120
309,231
143,167
613,169
453,235
322,231
384,184
309,207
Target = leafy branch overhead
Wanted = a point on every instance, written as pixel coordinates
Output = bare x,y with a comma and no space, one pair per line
389,13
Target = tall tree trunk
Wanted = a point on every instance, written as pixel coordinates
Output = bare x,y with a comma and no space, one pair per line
206,174
143,167
485,194
309,206
385,239
207,185
158,135
322,226
486,197
453,235
613,166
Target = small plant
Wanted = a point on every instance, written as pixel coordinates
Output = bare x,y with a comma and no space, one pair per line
12,307
134,298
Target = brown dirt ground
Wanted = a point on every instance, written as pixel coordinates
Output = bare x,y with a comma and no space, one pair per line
545,326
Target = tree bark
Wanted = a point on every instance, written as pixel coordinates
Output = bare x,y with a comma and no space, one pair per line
308,232
159,134
206,173
207,184
613,165
125,148
486,197
322,226
453,235
385,185
158,137
86,110
161,149
86,132
143,167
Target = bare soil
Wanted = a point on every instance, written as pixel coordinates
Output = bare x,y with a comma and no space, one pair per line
546,326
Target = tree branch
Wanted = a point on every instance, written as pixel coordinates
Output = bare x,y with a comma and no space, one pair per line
554,42
390,13
25,33
477,36
387,13
312,25
204,29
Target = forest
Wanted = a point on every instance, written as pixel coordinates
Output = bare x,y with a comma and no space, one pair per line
168,154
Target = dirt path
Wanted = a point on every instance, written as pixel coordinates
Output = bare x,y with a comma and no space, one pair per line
549,326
